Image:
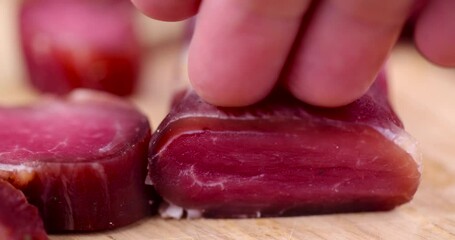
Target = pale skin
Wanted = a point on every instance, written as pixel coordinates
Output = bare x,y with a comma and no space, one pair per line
326,56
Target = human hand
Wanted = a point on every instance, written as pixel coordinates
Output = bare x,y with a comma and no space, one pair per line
326,54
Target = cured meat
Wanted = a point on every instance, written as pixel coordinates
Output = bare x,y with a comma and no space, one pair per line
18,219
283,157
70,44
81,160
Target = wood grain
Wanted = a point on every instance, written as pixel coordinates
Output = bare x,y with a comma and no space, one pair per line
422,94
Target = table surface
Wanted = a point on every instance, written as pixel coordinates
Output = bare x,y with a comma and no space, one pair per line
422,94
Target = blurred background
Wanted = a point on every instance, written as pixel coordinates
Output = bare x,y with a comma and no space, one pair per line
161,71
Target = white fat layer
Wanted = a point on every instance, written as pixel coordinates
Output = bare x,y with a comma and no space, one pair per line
170,210
148,180
12,167
173,138
100,172
405,141
118,138
69,220
193,213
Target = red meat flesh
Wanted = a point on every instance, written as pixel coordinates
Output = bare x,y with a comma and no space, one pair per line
69,44
282,157
81,160
18,219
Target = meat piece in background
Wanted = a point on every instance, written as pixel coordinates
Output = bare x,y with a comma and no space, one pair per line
71,44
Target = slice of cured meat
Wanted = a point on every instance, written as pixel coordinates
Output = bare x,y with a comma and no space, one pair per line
282,157
18,219
70,44
81,160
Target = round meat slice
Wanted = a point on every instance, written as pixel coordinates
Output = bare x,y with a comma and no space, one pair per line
81,160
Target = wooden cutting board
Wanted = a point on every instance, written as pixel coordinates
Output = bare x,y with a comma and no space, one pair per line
422,94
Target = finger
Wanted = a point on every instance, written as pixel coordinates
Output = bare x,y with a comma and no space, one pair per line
168,10
342,49
240,46
435,32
